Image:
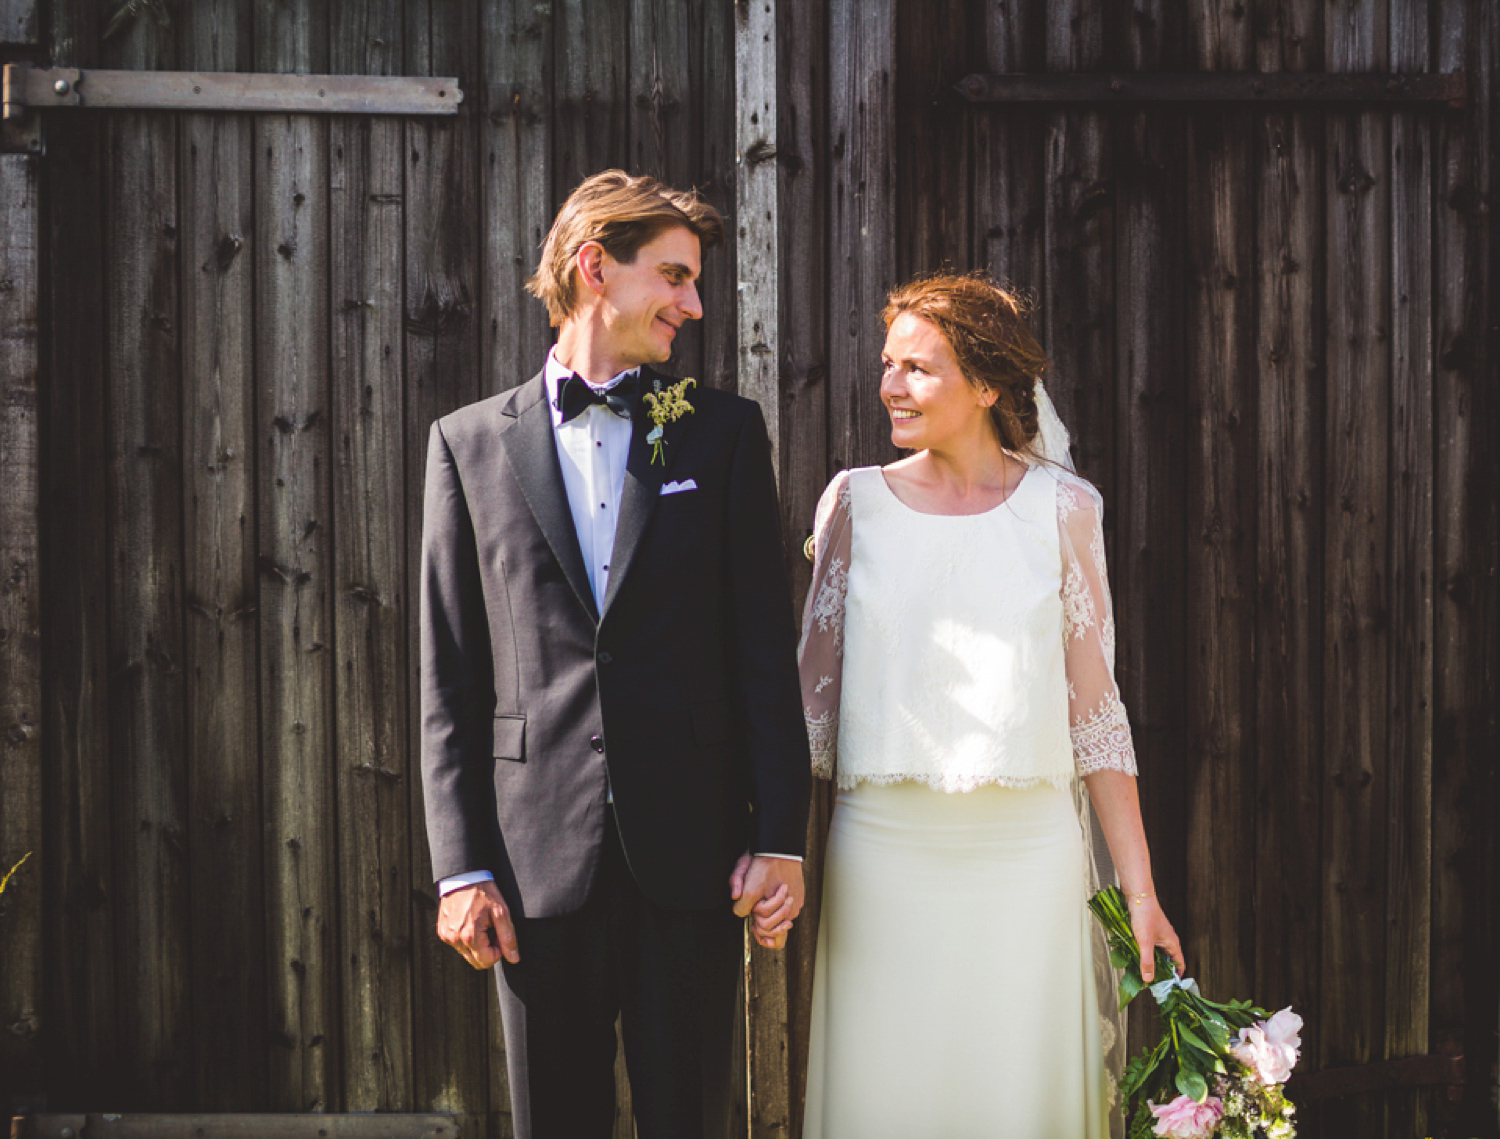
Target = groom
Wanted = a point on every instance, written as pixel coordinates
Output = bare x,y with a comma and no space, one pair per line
610,706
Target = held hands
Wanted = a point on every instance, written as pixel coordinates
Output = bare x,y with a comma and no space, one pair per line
476,922
1152,929
769,890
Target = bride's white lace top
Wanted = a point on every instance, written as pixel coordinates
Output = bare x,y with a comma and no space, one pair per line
961,650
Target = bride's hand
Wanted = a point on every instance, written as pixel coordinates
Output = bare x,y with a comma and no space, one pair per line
1151,929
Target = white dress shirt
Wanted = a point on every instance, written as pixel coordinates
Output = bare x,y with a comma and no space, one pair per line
592,449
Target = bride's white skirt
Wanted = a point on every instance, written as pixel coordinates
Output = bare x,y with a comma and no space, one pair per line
954,995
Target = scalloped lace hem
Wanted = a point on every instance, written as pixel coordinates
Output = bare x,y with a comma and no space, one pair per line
953,783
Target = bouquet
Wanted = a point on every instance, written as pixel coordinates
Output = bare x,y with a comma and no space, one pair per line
1219,1069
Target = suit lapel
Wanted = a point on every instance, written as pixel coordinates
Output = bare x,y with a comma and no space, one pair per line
643,483
531,451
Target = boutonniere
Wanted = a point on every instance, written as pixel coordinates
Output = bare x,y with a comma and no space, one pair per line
665,407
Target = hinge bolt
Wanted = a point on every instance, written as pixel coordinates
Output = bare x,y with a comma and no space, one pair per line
61,86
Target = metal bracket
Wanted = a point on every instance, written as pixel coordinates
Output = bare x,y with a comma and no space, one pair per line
29,88
1218,87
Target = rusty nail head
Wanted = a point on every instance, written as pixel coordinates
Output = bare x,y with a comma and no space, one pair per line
61,86
1258,86
1116,86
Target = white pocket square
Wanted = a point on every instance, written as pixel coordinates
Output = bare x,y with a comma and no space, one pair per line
679,487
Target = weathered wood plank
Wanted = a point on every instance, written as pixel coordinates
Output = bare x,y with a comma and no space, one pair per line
21,823
861,221
294,560
757,223
1220,697
591,91
516,133
932,178
1149,515
1466,616
73,28
1289,258
145,553
18,22
757,215
1009,209
1356,541
802,173
664,121
1078,301
373,781
457,1054
711,99
219,586
1409,821
81,1039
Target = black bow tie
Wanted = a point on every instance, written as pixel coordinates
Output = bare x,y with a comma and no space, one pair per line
574,397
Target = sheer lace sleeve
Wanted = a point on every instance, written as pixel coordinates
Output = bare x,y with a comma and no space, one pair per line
820,654
1099,726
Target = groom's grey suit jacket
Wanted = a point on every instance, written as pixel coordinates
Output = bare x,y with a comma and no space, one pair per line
681,697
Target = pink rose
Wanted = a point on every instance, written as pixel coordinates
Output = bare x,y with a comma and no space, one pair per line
1269,1047
1185,1119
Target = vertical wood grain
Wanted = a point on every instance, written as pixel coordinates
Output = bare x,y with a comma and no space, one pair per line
78,864
1289,257
21,824
1149,514
933,48
295,568
516,135
1409,821
144,551
1221,520
591,90
225,822
711,99
374,776
1008,163
1466,616
1356,543
802,172
456,1054
757,222
1079,300
861,224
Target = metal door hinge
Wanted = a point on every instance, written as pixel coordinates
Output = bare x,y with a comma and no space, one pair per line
29,88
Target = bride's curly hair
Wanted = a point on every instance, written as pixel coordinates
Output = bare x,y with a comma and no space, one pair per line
984,323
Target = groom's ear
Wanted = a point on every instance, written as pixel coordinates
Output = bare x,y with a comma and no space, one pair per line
589,264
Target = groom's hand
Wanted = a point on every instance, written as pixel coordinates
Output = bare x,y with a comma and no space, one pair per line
476,922
770,890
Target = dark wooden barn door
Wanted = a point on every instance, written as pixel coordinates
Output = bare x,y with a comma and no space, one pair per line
247,324
1269,329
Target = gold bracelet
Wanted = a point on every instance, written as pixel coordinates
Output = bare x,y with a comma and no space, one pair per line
1140,899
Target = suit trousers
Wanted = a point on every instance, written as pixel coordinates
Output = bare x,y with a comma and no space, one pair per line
669,974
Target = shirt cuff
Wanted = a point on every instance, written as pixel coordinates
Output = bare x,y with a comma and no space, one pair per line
788,857
459,881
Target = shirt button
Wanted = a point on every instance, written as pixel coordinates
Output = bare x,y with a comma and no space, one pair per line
605,658
597,743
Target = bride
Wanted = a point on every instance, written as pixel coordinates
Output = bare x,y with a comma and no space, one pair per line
957,675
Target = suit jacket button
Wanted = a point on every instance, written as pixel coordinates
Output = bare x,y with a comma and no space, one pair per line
605,658
597,743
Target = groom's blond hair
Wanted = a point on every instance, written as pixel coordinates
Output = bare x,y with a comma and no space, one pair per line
622,213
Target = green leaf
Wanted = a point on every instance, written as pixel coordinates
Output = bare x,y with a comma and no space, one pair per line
1130,986
1192,1085
1187,1034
